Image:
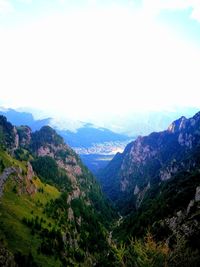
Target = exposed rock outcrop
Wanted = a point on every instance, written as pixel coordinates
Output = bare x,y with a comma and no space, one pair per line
30,172
197,195
70,214
16,143
24,133
155,158
4,176
6,257
186,222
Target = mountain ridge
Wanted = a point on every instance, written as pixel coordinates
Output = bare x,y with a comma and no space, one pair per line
155,157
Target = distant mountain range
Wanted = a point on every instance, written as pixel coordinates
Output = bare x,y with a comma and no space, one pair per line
131,124
24,118
97,145
76,134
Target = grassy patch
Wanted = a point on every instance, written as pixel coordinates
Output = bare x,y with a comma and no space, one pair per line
15,207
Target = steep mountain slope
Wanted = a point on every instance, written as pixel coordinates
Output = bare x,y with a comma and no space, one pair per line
52,210
155,183
152,159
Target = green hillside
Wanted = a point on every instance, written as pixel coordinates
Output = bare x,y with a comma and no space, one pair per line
52,211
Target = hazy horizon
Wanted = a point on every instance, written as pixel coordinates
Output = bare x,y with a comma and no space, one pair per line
131,124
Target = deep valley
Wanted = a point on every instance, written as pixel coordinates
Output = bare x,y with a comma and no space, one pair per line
53,211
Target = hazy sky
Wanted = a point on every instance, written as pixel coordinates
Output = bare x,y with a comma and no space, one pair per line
84,58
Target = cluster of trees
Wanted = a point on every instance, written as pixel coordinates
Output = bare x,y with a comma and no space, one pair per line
163,202
141,253
24,260
84,229
106,211
51,238
2,166
49,172
46,135
21,154
62,154
7,136
160,202
35,223
148,252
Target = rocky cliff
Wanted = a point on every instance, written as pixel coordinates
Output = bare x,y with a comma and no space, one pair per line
152,159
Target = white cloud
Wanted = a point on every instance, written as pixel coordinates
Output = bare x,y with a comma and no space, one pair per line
92,2
196,11
6,7
153,7
97,61
25,1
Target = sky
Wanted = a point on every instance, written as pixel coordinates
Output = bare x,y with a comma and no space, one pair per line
97,58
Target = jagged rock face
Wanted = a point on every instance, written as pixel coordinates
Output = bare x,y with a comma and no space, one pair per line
4,176
70,214
24,133
24,182
152,159
44,137
6,257
177,125
185,222
68,163
30,172
47,142
45,151
197,195
16,142
76,193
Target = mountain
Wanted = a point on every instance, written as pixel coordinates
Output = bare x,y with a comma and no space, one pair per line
24,118
53,213
76,134
155,183
52,210
88,135
152,159
88,140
